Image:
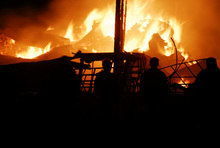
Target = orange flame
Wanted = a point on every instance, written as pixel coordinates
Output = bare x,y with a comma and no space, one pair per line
94,51
185,83
69,33
136,16
104,17
140,26
12,41
33,52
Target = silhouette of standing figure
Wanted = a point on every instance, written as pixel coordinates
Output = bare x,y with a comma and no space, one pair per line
154,85
106,89
207,81
154,89
207,92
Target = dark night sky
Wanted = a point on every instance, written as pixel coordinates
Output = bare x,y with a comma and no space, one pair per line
46,11
29,9
13,4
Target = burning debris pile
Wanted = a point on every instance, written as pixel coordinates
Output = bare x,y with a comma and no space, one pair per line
151,36
35,45
145,32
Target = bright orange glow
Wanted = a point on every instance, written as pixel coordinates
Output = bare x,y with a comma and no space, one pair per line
145,26
185,55
12,41
131,45
151,26
191,63
185,81
50,28
33,52
106,18
94,16
69,32
108,24
168,51
140,27
94,51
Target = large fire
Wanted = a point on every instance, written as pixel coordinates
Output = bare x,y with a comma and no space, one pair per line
141,27
33,52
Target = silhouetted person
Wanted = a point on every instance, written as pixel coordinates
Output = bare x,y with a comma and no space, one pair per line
64,89
154,84
208,80
207,92
64,82
106,89
155,90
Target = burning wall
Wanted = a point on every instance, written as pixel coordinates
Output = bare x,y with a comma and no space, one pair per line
89,25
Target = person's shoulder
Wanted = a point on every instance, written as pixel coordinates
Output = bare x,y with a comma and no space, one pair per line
99,74
147,71
161,72
203,72
201,75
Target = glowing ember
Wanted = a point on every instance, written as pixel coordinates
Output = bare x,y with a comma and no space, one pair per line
12,41
185,55
191,63
33,52
94,51
182,84
50,28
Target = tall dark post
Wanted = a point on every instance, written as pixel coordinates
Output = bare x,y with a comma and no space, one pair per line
117,26
119,33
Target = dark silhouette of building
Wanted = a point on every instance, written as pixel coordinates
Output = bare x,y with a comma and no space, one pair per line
106,89
41,90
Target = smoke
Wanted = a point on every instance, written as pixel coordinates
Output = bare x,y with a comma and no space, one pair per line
25,19
199,18
22,12
76,10
200,28
22,20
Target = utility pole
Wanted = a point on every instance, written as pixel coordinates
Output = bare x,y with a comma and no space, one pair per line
120,24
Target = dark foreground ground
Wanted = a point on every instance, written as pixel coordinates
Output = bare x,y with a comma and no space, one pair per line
177,114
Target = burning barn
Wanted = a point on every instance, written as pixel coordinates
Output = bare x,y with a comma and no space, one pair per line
122,30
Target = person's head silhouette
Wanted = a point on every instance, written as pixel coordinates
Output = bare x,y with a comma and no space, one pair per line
154,62
107,65
211,63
